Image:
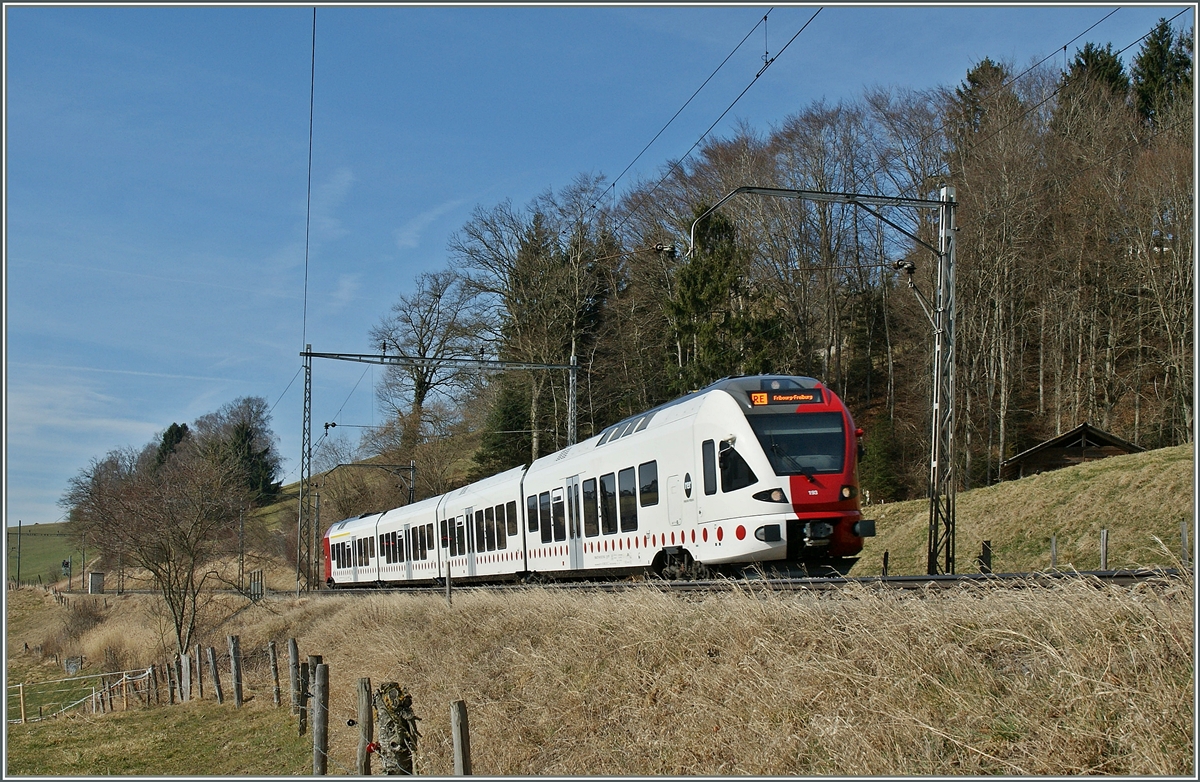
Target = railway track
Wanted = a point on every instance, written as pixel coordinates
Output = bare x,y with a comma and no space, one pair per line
810,583
794,584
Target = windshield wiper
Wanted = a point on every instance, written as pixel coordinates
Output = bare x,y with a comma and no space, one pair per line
805,471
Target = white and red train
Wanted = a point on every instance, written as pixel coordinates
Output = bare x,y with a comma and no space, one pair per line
750,471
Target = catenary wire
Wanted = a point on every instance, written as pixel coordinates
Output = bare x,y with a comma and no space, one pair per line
312,89
677,163
680,111
945,171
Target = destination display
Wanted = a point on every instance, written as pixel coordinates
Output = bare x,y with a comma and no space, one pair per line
760,398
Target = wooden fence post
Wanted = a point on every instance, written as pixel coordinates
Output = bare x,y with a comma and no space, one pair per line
153,684
21,690
199,675
1104,549
235,669
124,692
313,661
366,728
320,721
274,672
1184,553
216,677
310,683
1053,552
294,674
185,677
461,732
304,699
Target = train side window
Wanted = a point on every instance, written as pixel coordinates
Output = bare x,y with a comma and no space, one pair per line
513,521
643,422
480,532
648,483
429,532
591,516
709,449
608,503
399,546
735,473
464,534
421,542
531,510
371,554
452,536
544,512
559,513
627,483
445,534
501,529
489,527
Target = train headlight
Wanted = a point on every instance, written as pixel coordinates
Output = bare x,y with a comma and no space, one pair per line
771,495
849,492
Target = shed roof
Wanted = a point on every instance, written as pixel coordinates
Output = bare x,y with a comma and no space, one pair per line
1083,436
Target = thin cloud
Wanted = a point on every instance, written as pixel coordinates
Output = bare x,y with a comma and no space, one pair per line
408,235
122,372
327,197
347,291
155,277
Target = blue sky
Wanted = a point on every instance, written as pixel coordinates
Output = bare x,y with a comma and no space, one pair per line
156,175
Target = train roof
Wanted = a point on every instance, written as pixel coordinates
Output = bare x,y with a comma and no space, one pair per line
738,387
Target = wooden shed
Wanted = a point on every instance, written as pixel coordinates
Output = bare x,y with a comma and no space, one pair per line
1084,443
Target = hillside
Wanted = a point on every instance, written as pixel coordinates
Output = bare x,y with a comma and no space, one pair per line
1138,498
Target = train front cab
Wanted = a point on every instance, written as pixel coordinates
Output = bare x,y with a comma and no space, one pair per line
778,461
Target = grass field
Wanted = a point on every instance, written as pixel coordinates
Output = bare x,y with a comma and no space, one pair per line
43,547
1075,679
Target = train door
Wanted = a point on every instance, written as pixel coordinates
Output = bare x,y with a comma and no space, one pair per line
409,550
674,500
354,560
472,530
574,524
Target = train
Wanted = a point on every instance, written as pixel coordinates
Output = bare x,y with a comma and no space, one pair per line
749,474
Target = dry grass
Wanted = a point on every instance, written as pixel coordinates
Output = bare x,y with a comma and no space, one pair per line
1140,499
1075,679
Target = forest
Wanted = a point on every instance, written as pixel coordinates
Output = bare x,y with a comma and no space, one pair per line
1074,280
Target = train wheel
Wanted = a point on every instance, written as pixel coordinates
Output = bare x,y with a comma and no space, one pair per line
679,566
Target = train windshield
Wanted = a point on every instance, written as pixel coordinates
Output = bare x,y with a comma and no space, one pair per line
805,444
